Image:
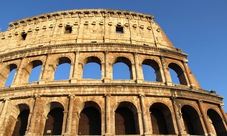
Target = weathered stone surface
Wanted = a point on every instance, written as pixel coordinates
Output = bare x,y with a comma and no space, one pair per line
105,37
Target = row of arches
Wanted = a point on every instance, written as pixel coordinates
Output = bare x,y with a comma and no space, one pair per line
126,120
93,68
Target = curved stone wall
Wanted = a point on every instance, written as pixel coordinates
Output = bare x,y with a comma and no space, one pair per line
105,106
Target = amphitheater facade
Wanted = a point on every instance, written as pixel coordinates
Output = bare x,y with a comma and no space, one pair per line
105,106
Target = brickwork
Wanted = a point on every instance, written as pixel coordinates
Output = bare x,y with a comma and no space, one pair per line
105,37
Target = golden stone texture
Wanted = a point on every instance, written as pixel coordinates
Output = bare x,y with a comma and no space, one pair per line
105,37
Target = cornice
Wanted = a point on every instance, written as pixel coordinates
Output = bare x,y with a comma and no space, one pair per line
23,52
80,13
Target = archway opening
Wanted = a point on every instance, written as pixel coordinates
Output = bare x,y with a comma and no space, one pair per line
151,71
22,121
161,119
92,68
35,71
192,121
179,74
11,71
122,69
216,122
90,119
126,119
62,70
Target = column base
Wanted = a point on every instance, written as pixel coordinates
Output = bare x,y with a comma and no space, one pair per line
108,134
67,134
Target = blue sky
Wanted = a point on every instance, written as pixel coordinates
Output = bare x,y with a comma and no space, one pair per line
198,27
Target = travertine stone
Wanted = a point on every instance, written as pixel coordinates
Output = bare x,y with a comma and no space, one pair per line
105,37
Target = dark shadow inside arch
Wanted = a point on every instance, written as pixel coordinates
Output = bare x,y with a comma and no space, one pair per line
192,121
151,71
161,119
36,67
11,71
217,122
22,121
122,69
62,71
53,125
179,74
126,119
90,120
92,68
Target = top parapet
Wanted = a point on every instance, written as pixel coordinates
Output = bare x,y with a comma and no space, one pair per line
84,26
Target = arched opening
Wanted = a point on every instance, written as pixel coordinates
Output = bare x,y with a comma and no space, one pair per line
126,119
10,71
216,122
22,121
92,68
62,70
90,120
33,71
151,71
191,120
161,119
54,119
122,69
179,72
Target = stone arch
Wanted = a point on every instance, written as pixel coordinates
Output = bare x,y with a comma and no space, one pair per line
28,69
179,71
126,61
216,122
126,119
90,119
59,61
161,119
192,122
54,113
22,119
153,64
5,73
93,59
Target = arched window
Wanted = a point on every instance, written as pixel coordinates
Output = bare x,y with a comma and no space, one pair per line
22,121
122,69
10,71
126,119
161,119
192,122
216,123
54,120
92,68
179,73
32,71
90,120
151,71
62,70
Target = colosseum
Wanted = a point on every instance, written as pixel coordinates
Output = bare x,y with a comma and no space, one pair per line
105,105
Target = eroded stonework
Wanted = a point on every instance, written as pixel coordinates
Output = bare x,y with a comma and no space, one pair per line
80,106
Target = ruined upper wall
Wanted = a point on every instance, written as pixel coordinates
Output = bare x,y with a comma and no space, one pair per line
84,26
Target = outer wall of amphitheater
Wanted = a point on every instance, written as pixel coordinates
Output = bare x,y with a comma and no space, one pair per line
105,106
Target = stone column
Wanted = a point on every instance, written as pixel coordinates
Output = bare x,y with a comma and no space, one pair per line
177,116
44,72
187,73
74,77
107,69
139,78
223,113
107,113
3,112
208,130
17,76
165,80
144,114
69,116
31,115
